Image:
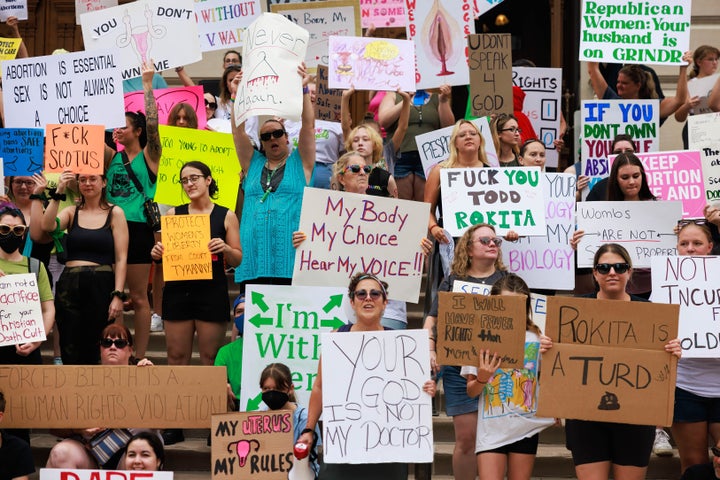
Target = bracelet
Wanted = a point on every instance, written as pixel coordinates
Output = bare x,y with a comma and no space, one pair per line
309,430
306,90
232,99
35,196
58,196
117,293
435,225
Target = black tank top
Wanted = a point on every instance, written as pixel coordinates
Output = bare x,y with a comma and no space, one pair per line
91,245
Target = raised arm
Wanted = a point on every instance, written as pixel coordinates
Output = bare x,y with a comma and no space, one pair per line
243,145
184,77
345,117
12,22
447,117
48,222
670,105
37,233
153,148
403,119
599,85
306,137
389,111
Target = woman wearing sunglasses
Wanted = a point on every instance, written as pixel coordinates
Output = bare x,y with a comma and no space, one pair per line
601,448
506,133
368,299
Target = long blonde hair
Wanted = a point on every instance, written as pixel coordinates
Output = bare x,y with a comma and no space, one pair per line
452,160
374,137
462,261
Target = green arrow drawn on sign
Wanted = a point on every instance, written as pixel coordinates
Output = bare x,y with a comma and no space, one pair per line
254,403
334,322
259,300
335,301
258,320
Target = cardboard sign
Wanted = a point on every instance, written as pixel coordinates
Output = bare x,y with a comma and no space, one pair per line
323,20
13,8
602,120
607,384
490,62
645,229
434,148
542,105
283,324
216,150
371,63
507,198
81,87
167,98
703,136
221,23
373,393
78,148
84,6
22,150
21,319
701,87
273,49
327,101
548,261
78,474
349,233
439,29
468,323
252,445
8,49
186,255
112,396
691,282
622,31
383,13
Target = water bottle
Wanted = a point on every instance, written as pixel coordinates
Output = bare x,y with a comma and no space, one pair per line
301,464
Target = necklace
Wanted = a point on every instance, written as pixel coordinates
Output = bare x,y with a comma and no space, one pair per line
268,179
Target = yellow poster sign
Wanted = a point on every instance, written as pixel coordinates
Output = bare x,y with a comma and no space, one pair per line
8,49
185,240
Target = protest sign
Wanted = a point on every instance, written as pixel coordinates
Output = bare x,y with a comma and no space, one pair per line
602,120
460,286
273,48
703,136
548,261
327,101
703,129
21,319
78,148
542,104
434,148
691,282
80,87
22,150
83,474
469,322
216,150
701,88
627,31
186,255
480,7
439,29
84,6
323,20
490,61
645,229
112,396
607,384
221,23
8,49
506,198
348,233
383,13
283,324
167,98
13,8
371,64
162,31
252,445
2,173
374,393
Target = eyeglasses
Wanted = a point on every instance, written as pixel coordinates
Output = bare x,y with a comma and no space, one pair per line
118,342
363,294
514,130
274,134
604,268
356,169
210,104
487,240
715,450
17,230
193,179
27,183
691,221
623,150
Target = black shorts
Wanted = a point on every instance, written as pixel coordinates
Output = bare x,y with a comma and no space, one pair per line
141,241
527,445
694,408
619,443
204,300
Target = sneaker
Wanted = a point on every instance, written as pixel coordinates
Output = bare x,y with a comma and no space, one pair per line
661,446
156,323
57,361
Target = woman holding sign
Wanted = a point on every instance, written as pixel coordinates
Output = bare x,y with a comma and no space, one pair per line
599,447
705,64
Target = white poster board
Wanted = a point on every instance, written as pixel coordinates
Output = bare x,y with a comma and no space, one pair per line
645,229
348,233
13,8
692,283
704,135
78,474
542,105
274,47
84,6
283,324
21,319
701,87
221,23
506,198
548,261
622,31
373,392
80,87
434,148
163,31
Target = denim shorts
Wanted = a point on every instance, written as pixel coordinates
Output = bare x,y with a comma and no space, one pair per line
694,408
457,401
407,163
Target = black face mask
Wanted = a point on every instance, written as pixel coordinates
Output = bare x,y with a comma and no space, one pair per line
275,400
11,242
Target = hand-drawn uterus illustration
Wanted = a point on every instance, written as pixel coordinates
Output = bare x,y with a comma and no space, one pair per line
139,37
440,36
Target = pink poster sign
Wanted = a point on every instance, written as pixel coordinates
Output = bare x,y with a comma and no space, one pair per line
167,98
383,13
